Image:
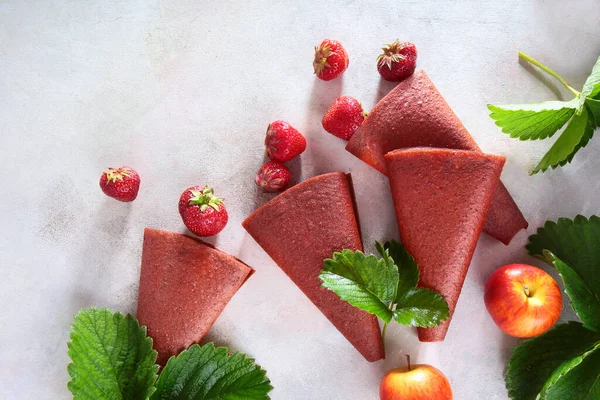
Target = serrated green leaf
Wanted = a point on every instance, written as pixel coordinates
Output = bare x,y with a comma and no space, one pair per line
421,307
591,87
578,378
210,373
577,244
363,281
587,136
408,271
594,110
534,361
585,303
569,142
112,358
532,121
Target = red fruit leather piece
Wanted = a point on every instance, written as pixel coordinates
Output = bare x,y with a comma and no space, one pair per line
414,114
302,227
441,198
184,286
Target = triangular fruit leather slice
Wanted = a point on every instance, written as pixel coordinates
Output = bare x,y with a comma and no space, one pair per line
414,114
441,198
184,285
302,227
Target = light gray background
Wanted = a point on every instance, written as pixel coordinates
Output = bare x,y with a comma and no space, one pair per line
183,92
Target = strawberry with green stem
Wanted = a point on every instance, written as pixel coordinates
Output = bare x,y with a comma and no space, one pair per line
331,60
202,212
121,183
398,61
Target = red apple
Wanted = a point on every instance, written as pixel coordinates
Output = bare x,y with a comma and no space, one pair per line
523,300
417,382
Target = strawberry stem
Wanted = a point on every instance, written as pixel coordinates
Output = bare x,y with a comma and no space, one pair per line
205,198
548,71
383,335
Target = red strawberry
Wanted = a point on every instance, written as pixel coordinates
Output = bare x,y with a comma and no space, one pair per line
331,60
283,141
398,61
273,176
344,117
202,212
122,183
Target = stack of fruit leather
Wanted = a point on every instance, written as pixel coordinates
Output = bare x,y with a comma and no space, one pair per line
443,197
414,114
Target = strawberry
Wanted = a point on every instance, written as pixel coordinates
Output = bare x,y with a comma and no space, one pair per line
122,183
331,60
283,141
344,117
202,212
398,61
273,176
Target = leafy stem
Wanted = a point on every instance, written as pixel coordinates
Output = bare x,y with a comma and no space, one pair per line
385,325
549,71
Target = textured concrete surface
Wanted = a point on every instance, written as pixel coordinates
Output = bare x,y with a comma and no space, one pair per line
183,92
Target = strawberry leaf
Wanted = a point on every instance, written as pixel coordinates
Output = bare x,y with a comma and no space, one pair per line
575,136
421,307
532,121
583,300
363,281
536,361
210,373
112,358
591,87
408,271
386,287
573,247
578,378
594,110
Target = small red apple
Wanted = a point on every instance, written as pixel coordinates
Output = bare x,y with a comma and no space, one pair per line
417,382
523,300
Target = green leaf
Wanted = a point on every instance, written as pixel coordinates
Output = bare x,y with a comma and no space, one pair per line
209,372
585,303
576,244
408,271
591,87
535,360
112,358
569,142
363,281
532,121
421,307
594,110
589,133
578,378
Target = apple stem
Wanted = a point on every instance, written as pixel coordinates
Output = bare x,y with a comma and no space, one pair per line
526,290
408,360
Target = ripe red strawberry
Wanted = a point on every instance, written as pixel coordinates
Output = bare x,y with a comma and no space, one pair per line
273,176
331,60
122,183
398,61
202,212
283,141
344,117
